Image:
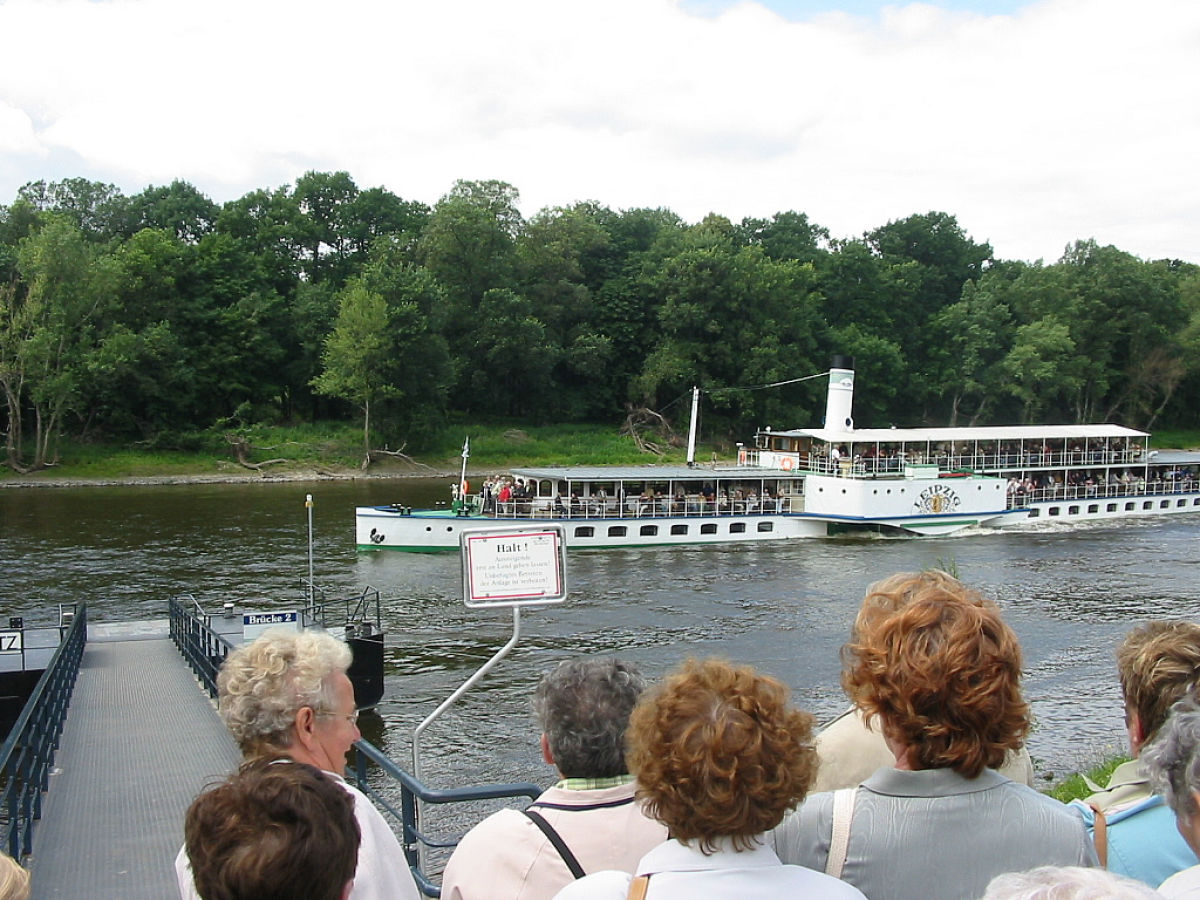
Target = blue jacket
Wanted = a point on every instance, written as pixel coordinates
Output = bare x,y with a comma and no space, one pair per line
1143,841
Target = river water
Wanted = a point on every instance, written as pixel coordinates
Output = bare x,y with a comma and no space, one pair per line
1070,594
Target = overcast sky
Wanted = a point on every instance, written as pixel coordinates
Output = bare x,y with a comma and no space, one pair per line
1035,124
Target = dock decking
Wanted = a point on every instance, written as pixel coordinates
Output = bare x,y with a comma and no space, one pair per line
141,740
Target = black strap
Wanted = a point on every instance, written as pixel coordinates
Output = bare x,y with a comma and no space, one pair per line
559,844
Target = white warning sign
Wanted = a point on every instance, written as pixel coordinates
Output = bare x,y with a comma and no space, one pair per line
514,568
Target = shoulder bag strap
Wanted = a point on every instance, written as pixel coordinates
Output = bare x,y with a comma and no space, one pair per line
556,839
638,887
843,812
1100,834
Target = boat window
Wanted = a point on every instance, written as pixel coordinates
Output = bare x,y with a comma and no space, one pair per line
616,531
1181,503
1148,505
737,528
648,530
1053,510
679,529
1129,507
1164,504
585,531
1112,507
1196,502
1034,513
1093,507
766,526
710,528
1072,510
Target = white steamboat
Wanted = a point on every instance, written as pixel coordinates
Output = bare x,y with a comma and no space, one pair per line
816,482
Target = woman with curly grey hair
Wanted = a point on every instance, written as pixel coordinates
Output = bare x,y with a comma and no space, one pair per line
286,697
1172,760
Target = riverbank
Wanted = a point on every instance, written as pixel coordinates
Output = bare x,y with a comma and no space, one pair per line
325,453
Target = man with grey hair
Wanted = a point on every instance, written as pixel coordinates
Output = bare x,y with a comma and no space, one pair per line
1172,762
286,696
589,820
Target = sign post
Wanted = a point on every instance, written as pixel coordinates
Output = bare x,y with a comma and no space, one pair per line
511,567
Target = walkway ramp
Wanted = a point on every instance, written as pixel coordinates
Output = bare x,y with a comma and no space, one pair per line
140,741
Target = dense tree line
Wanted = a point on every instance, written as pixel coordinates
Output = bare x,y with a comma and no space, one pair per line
151,316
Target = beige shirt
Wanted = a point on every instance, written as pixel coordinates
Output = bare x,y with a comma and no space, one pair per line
506,856
850,753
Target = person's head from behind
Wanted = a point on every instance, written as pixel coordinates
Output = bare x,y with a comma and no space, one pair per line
1172,762
719,753
1158,664
273,831
583,707
287,694
936,663
1066,883
14,879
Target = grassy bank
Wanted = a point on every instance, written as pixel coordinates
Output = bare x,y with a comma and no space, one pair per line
1075,788
336,450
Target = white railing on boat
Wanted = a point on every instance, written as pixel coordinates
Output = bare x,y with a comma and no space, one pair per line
637,508
894,465
1022,497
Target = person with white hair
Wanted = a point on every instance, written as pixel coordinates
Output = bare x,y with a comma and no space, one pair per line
1172,762
1066,883
287,696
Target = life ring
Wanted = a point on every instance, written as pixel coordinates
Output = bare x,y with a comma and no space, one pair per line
464,488
741,457
787,463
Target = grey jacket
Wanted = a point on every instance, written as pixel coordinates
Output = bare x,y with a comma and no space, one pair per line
935,835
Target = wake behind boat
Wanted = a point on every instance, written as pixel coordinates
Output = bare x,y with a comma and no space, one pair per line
823,481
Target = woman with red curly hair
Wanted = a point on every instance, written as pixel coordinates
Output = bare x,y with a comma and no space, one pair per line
720,758
935,668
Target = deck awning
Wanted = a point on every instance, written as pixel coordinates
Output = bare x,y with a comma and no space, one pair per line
1008,433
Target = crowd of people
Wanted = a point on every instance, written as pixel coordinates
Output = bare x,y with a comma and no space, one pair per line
711,784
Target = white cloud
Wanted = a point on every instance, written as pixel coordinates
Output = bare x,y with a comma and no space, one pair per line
1068,119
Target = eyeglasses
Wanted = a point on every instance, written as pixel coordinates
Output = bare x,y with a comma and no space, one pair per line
352,718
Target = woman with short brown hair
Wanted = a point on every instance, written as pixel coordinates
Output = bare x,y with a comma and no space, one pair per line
935,668
720,758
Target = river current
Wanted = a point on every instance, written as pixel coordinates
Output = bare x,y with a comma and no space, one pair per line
1070,593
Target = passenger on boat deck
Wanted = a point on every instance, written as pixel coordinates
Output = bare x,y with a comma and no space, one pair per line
1157,664
720,758
934,664
275,830
583,707
286,696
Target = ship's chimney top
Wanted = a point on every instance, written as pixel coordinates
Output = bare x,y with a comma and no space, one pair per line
840,399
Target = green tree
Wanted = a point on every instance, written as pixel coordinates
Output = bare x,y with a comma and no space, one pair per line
48,325
357,355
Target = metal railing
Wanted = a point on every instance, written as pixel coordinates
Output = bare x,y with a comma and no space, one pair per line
202,647
639,509
1023,497
412,791
28,753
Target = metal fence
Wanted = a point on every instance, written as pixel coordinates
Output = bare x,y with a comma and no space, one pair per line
412,791
202,647
28,754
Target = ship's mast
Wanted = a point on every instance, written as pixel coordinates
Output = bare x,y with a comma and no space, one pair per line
691,451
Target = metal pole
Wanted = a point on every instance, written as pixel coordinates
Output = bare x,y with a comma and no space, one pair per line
308,502
466,685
